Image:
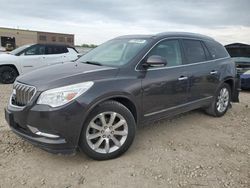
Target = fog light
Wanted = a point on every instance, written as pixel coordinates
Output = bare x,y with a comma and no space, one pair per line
39,133
46,135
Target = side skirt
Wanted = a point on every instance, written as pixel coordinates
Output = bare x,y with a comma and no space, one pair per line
172,111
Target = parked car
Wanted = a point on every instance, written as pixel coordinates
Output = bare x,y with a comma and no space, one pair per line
240,54
97,102
245,80
30,57
2,49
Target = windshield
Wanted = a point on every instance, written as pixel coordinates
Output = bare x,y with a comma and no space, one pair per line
115,52
21,48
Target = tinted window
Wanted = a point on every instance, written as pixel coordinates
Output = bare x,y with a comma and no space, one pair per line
194,51
60,49
169,50
35,50
56,49
216,49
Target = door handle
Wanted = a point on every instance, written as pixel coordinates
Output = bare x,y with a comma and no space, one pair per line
213,72
182,78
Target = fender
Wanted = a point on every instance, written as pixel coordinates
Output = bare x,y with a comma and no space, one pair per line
19,71
110,96
235,86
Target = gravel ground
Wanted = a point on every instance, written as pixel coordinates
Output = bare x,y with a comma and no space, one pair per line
190,150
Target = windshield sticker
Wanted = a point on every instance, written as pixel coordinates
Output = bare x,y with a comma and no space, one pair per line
138,41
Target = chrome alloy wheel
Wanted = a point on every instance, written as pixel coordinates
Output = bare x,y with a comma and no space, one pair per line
222,100
107,132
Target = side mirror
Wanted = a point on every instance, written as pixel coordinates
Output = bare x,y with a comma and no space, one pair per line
155,61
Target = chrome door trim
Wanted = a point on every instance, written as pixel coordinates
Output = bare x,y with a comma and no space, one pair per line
182,78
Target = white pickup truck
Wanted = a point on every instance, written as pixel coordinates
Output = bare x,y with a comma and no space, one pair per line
30,57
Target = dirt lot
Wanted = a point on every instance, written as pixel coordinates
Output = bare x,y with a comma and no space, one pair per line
191,150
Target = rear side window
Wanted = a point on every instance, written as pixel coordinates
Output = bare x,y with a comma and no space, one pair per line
56,50
194,51
216,49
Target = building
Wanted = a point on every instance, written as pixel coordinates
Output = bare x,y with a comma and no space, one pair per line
12,38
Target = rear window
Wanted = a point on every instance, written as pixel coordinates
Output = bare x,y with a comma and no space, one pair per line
239,52
216,49
194,51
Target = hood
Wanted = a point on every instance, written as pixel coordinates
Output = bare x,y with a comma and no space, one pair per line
65,74
4,57
241,59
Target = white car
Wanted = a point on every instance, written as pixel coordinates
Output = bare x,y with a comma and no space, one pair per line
30,57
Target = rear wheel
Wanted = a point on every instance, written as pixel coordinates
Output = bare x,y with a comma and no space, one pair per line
7,74
108,132
221,101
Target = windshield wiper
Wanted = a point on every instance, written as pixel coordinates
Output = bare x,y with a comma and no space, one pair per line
92,63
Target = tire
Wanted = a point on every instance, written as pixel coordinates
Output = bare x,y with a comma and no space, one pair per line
8,74
95,132
218,99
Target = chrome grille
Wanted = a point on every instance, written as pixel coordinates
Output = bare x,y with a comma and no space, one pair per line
22,94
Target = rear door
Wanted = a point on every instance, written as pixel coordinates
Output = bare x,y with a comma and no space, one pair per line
165,88
54,54
203,72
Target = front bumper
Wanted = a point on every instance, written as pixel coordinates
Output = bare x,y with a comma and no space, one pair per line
245,82
65,122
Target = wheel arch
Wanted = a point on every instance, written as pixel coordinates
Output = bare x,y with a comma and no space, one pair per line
230,82
11,65
234,88
126,100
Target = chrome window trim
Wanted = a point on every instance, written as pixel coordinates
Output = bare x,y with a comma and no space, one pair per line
21,107
184,65
175,107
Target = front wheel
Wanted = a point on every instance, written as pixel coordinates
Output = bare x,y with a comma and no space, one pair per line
7,74
108,132
221,101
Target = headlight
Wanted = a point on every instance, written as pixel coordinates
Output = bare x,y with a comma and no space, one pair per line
62,95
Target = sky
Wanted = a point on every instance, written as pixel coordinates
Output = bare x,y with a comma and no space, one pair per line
96,21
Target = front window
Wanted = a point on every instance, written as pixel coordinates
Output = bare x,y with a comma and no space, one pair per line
35,50
115,52
19,50
169,50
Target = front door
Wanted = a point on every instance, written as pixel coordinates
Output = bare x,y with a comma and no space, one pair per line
32,58
165,88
